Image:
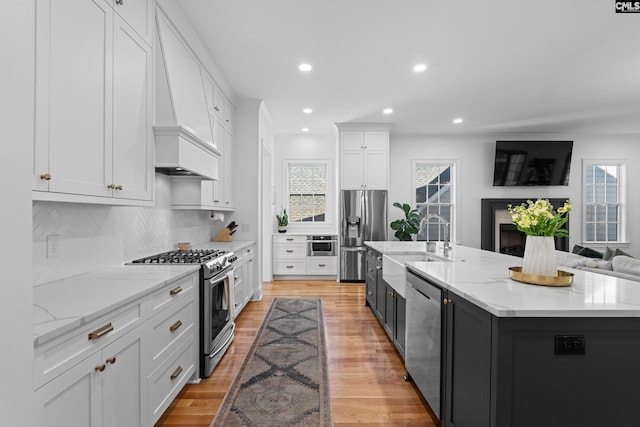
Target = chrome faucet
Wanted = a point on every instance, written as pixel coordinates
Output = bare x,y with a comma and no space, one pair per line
441,220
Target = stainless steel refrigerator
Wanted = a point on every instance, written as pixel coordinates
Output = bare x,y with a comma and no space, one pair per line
363,217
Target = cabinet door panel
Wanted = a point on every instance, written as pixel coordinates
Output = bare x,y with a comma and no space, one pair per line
376,141
132,138
375,170
351,170
351,140
80,76
123,381
73,399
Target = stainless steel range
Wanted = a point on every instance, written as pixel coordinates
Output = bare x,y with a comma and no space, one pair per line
215,299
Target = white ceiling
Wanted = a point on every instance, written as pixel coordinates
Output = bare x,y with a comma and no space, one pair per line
502,65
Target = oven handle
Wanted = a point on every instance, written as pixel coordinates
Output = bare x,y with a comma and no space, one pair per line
233,328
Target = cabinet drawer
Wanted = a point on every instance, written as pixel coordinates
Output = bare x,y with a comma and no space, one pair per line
290,267
55,357
165,383
289,239
173,293
289,251
166,329
322,265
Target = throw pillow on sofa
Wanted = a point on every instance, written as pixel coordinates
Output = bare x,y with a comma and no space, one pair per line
626,264
586,252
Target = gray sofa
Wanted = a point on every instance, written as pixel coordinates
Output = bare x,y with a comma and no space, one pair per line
621,266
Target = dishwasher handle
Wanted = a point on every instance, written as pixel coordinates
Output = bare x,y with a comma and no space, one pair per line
423,294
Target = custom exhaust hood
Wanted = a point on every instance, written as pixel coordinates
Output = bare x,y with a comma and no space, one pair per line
184,143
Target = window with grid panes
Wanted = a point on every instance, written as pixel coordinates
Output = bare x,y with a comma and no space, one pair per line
603,201
307,182
434,194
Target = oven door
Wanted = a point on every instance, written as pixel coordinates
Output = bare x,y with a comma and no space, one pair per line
216,309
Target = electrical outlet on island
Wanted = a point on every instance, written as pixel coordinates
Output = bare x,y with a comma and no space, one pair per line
53,245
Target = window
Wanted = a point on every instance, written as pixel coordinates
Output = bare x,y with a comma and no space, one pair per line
307,191
604,201
434,195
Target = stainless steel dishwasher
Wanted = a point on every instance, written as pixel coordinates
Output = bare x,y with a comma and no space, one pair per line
423,349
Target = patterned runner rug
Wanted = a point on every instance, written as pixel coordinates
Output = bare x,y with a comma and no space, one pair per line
283,380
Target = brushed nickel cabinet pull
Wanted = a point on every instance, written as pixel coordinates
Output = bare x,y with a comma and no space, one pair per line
289,251
322,265
119,187
175,291
120,2
101,331
289,239
111,360
177,372
289,266
111,186
100,368
446,301
46,176
175,326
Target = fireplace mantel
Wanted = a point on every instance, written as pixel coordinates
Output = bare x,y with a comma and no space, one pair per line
489,207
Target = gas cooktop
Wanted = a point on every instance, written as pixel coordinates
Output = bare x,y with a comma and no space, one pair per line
191,256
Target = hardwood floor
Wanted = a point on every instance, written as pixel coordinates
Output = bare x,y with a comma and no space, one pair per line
365,371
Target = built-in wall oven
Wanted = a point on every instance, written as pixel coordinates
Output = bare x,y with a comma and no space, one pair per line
321,245
215,299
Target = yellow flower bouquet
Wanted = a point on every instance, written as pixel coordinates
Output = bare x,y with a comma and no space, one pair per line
539,218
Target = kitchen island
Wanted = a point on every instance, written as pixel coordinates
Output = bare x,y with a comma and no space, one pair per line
514,354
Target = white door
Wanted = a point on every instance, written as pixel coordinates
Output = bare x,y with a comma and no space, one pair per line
76,65
351,140
132,115
123,383
351,170
375,170
74,399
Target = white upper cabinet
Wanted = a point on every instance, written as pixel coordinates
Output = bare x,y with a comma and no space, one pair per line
89,66
364,159
138,14
132,114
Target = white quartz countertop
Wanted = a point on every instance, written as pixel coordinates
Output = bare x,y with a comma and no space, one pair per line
63,305
397,247
482,277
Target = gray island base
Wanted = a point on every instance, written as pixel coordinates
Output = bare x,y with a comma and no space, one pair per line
519,355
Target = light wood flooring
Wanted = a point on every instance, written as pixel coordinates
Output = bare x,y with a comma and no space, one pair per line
365,370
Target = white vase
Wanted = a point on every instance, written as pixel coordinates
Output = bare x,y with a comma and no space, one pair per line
540,256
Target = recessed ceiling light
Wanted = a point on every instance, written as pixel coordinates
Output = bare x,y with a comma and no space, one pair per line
387,110
307,110
418,68
305,129
305,67
458,120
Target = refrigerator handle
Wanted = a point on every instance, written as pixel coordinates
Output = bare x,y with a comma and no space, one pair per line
365,220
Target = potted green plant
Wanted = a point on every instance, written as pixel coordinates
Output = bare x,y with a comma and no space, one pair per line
283,220
406,227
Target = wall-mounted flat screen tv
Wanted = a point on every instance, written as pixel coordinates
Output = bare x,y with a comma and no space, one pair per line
532,163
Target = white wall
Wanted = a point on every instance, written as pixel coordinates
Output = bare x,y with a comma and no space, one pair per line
306,146
16,126
475,156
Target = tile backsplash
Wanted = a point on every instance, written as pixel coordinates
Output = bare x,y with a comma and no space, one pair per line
95,236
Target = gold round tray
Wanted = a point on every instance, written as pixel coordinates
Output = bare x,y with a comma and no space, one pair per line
563,278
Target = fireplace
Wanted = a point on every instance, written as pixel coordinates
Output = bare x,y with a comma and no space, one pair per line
497,232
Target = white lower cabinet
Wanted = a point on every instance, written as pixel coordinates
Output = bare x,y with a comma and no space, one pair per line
243,278
322,265
122,369
105,389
